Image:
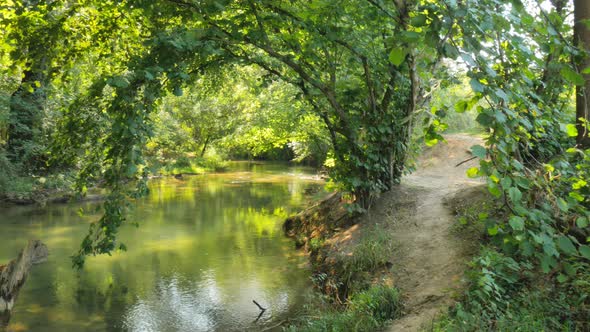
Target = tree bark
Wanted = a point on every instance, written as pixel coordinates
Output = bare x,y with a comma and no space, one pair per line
205,147
582,40
14,274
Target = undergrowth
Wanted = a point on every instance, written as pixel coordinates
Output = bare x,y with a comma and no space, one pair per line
352,297
506,293
368,310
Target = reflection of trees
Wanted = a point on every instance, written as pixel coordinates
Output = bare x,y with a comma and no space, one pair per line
191,231
174,307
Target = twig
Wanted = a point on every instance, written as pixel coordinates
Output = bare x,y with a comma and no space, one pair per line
274,326
465,161
259,306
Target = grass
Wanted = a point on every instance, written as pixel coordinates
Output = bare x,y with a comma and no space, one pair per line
368,305
368,310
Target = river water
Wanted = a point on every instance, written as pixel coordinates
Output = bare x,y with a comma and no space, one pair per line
206,246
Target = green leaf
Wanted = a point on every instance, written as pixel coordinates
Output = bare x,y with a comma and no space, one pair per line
177,91
476,85
562,204
515,194
479,151
576,196
586,70
410,36
493,230
582,222
585,251
397,56
566,245
118,82
494,190
418,20
571,130
571,76
547,263
517,223
473,172
461,106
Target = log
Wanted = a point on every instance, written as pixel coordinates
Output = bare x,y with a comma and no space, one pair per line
14,274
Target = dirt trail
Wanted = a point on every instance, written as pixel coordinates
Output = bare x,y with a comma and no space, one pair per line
429,259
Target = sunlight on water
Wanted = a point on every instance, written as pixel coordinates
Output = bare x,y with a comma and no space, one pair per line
206,247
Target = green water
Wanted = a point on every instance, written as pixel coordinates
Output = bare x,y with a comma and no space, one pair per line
206,247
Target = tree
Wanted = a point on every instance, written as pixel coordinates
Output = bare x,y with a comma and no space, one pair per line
582,40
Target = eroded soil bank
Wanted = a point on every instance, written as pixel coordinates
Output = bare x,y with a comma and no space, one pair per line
427,256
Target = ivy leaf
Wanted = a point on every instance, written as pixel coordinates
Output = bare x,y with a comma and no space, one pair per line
566,245
397,56
479,151
585,251
517,223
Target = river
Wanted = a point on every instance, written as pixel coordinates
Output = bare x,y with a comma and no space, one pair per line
206,246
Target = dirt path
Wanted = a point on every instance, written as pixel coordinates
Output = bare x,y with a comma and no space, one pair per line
429,259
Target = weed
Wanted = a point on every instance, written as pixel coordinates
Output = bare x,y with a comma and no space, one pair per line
366,311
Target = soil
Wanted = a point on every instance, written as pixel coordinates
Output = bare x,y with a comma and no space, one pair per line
430,251
430,257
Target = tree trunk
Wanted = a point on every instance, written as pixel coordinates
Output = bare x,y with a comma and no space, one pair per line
582,40
14,274
205,147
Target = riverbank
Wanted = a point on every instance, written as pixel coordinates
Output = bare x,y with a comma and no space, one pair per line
206,247
58,188
407,244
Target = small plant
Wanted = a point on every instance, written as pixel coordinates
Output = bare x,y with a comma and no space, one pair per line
315,244
366,311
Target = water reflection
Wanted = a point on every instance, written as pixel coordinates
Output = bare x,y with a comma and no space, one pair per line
206,247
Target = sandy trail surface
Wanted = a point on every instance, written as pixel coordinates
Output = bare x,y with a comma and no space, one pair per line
430,258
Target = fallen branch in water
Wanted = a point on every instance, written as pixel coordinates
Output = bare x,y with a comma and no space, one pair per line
14,274
259,306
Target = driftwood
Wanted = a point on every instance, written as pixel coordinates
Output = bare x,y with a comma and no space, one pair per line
14,274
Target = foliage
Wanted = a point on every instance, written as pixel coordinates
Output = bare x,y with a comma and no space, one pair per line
506,293
531,162
367,311
342,274
531,310
447,104
358,66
